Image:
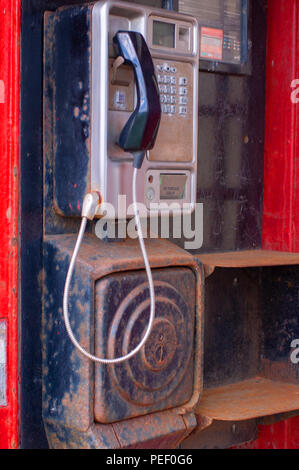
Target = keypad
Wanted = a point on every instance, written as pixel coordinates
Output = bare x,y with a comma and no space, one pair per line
170,94
183,100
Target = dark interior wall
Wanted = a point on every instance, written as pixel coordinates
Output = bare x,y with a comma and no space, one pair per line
280,322
250,324
232,334
231,148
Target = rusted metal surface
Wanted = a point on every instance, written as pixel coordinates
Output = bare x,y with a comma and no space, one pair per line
221,435
248,399
249,326
156,431
248,258
71,65
164,430
280,371
53,221
69,385
161,377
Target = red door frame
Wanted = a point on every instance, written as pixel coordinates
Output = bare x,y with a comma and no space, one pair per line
281,190
282,435
281,180
10,11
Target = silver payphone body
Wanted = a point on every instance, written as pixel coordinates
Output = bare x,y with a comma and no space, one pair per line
168,173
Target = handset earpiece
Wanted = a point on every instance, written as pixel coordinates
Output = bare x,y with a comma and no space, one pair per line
140,132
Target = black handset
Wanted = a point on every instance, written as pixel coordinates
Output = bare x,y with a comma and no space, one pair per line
140,132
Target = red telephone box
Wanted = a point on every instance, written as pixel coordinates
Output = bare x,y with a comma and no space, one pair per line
280,208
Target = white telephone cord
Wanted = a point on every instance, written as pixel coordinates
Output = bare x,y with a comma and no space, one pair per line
88,212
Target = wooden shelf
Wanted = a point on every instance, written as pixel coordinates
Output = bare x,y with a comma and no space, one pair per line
246,259
249,399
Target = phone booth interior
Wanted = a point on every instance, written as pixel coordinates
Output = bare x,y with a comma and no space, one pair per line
247,326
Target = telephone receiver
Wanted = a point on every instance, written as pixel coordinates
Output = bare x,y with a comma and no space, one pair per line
140,132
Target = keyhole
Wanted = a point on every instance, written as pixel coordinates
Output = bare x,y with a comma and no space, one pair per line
160,354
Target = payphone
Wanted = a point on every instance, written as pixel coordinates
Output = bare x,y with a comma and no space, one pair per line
120,119
168,172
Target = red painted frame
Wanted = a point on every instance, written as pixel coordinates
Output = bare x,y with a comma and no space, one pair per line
281,435
281,180
10,11
281,191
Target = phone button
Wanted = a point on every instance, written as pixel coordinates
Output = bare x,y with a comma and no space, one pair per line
183,110
183,81
150,194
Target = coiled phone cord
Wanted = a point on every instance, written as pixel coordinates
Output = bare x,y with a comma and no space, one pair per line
149,276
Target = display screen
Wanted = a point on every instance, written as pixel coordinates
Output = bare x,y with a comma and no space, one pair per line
223,28
172,186
163,34
211,43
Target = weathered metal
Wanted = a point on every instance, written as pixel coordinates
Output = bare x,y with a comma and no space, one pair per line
164,430
249,399
162,376
71,104
70,408
73,386
221,435
248,371
247,259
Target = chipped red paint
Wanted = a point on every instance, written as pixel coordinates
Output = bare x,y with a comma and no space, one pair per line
281,191
9,172
282,435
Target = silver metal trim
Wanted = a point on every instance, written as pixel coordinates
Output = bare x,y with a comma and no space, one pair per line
111,177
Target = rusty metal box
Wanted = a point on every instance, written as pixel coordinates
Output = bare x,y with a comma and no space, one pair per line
161,375
148,400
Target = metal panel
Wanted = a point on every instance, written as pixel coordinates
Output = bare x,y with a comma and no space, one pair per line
161,377
68,377
72,48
